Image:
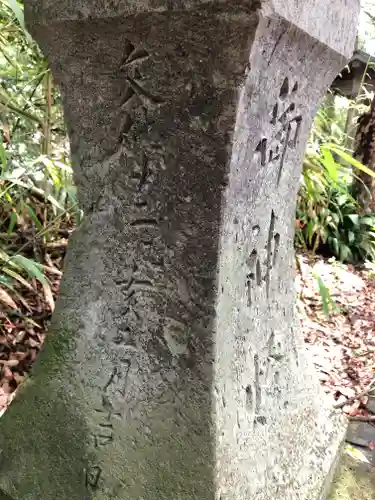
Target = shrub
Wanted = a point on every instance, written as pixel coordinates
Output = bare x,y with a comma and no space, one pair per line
329,220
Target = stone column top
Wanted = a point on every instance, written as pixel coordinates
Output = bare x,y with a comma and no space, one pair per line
326,20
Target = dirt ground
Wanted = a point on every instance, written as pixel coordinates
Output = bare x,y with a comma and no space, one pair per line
337,310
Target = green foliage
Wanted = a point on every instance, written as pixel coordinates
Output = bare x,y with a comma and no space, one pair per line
38,196
37,193
17,10
370,267
329,218
30,111
328,304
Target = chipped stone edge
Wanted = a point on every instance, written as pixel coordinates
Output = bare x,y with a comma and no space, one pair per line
328,480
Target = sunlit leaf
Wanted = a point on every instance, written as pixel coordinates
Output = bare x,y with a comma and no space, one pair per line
324,293
3,156
18,12
34,269
330,164
17,277
354,218
352,161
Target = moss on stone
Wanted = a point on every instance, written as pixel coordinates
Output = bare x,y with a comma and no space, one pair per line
354,480
43,433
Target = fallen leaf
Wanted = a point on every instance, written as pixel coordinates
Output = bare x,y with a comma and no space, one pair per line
32,342
19,356
354,408
9,362
7,373
49,296
6,299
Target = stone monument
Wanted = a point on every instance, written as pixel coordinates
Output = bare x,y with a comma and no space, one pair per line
174,368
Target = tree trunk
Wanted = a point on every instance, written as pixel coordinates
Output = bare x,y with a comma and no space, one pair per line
364,185
174,368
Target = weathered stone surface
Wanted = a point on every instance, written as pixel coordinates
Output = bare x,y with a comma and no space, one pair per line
174,369
361,433
370,405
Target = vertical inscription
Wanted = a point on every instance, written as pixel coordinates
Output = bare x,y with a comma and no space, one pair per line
134,101
142,167
139,166
262,149
103,435
258,393
286,128
269,260
134,96
260,272
276,248
137,284
271,151
252,263
266,379
92,476
258,417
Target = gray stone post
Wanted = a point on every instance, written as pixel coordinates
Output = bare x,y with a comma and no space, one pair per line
174,368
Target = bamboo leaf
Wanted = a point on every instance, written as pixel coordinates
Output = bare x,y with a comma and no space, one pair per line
33,216
349,159
330,164
34,269
13,274
18,111
324,294
17,10
3,156
13,221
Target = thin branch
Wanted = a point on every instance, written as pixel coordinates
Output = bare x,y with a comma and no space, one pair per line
362,418
357,396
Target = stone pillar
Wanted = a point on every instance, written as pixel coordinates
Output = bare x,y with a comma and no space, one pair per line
174,369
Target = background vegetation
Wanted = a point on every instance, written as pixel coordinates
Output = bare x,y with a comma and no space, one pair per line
329,218
38,203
